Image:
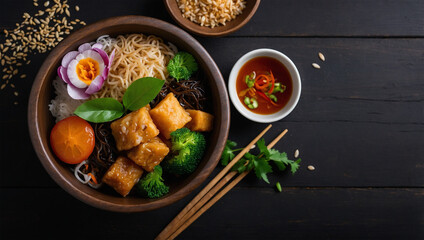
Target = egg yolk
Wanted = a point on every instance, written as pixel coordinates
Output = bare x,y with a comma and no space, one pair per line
87,70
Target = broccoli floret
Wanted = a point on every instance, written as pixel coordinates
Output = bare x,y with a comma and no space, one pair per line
182,66
187,149
152,185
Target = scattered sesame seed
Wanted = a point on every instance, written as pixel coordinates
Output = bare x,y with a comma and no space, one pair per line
321,56
36,33
296,153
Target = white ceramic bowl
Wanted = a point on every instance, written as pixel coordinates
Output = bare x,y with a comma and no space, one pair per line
297,86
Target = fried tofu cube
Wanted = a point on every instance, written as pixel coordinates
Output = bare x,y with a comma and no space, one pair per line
133,129
123,175
169,116
200,121
150,154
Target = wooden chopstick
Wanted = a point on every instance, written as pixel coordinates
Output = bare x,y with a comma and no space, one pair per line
189,218
170,228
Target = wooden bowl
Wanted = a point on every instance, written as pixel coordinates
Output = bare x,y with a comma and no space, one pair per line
229,27
40,120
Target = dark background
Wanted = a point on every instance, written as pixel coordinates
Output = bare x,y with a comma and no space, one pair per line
360,122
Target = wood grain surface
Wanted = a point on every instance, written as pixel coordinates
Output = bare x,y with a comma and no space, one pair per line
359,121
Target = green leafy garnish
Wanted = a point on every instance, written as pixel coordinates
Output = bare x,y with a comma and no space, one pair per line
281,160
100,110
141,92
182,66
262,148
244,164
228,153
259,163
138,95
262,168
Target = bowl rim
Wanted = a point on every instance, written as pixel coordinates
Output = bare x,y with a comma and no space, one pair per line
294,73
56,55
204,31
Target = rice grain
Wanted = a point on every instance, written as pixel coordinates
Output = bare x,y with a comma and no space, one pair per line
321,56
315,65
296,153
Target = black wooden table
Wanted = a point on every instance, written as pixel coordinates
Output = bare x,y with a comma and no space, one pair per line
359,122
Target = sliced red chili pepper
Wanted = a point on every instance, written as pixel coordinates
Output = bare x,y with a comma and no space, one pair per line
264,96
262,82
267,98
272,83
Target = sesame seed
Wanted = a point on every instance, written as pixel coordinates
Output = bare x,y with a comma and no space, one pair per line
321,56
36,33
296,153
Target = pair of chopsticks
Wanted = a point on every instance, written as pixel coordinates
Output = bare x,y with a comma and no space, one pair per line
207,198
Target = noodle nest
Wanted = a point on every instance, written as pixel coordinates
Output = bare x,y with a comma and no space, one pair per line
136,56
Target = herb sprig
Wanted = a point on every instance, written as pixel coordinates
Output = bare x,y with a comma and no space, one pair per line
228,153
137,95
259,163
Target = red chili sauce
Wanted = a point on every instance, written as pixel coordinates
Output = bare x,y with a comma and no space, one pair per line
268,72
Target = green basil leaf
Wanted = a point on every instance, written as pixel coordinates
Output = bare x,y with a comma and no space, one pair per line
141,92
100,110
